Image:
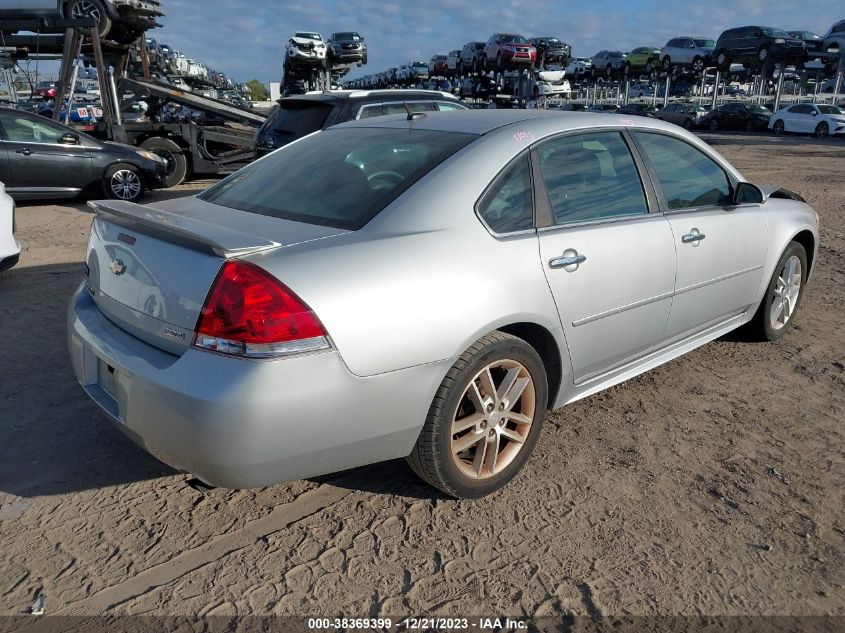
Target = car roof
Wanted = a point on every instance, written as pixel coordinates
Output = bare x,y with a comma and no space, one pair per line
337,96
538,123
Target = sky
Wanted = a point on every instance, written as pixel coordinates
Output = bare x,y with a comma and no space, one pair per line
245,39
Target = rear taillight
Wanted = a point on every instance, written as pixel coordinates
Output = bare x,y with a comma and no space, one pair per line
251,313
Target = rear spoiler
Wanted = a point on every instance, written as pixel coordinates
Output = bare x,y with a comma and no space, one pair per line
181,229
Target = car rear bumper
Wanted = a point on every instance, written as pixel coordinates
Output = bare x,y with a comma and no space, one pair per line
240,423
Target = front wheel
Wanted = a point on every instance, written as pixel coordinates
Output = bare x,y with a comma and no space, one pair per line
778,127
714,124
777,311
95,9
687,124
123,182
822,130
485,419
697,64
763,54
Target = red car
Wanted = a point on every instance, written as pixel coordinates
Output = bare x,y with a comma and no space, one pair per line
45,90
505,50
437,65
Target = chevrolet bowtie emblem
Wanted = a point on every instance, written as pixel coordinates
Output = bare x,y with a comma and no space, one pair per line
118,267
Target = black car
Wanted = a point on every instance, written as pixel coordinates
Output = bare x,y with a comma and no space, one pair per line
348,47
737,116
40,158
756,45
603,107
295,117
550,50
638,109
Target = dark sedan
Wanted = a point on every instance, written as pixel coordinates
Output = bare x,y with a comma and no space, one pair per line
638,109
43,159
737,116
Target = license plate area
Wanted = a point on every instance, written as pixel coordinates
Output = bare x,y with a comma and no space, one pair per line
107,378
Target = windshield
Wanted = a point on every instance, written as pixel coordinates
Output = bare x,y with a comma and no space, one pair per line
705,43
775,32
367,168
513,39
759,109
829,109
420,65
309,36
346,36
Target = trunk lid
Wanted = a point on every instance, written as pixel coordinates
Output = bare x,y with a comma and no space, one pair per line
150,268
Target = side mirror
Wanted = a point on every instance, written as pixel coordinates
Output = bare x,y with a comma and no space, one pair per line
69,139
746,193
815,113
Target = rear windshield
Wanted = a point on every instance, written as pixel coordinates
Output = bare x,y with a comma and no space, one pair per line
340,177
295,119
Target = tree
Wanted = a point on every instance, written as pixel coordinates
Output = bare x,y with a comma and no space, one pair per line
258,91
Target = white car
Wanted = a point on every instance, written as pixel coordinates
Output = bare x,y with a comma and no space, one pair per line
638,90
579,67
818,119
10,248
552,83
306,48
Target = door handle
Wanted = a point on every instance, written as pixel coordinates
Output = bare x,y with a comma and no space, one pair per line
693,237
25,151
567,261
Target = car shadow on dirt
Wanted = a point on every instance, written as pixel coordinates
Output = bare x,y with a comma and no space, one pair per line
53,439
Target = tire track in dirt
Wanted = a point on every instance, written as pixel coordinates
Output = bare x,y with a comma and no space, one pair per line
279,518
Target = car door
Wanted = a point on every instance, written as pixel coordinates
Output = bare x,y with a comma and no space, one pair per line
721,248
38,161
803,119
609,262
687,52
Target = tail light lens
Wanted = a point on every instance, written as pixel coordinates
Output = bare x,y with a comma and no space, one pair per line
250,313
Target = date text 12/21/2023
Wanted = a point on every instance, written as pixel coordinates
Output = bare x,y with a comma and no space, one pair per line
417,623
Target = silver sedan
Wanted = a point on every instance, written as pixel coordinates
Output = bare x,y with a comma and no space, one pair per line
423,286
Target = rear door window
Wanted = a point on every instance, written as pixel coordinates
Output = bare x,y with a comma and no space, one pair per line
591,177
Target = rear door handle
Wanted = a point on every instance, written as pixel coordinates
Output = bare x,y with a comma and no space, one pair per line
25,151
568,260
693,237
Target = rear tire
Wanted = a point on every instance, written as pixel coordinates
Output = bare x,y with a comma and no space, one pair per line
78,9
687,124
177,162
781,295
454,458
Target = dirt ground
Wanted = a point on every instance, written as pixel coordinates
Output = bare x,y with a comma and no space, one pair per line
711,485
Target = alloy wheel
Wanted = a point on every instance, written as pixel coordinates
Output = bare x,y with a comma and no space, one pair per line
83,9
125,184
785,293
698,64
779,127
493,419
763,54
822,130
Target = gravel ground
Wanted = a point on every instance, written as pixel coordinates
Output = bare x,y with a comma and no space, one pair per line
711,485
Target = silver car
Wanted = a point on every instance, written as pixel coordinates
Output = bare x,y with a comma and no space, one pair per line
693,51
424,286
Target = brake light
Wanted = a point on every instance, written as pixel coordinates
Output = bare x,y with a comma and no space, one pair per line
248,312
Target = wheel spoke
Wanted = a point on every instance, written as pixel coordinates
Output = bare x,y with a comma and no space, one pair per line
475,397
467,423
478,460
519,418
513,436
465,441
507,383
492,453
787,309
516,391
487,383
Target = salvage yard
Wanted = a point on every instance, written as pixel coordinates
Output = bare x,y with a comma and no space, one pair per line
713,484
